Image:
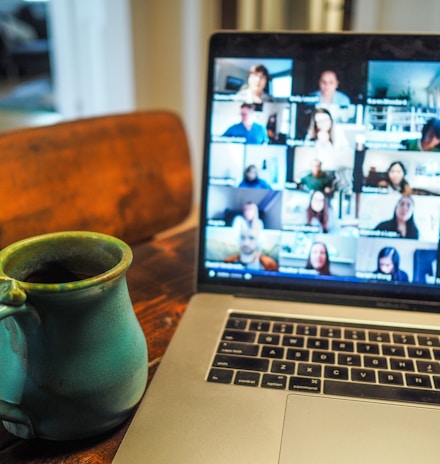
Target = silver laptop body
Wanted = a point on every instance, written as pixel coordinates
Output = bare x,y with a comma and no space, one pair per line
314,334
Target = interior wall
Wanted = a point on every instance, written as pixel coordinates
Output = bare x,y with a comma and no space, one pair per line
92,59
272,14
396,15
170,46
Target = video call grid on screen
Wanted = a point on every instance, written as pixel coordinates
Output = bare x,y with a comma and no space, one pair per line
339,161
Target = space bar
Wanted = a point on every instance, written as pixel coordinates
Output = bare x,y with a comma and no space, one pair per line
381,392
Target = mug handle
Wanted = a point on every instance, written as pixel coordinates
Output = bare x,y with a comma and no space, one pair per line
13,303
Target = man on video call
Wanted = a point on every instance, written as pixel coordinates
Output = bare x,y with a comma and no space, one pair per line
317,179
328,92
250,256
248,128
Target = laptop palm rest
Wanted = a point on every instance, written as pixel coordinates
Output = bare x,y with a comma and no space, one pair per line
340,431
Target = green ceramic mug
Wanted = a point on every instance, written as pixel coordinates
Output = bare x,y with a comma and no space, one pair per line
73,357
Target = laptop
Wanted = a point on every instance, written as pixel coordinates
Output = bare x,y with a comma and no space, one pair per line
314,334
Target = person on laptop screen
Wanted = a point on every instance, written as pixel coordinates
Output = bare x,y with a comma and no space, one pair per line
248,128
317,179
328,138
249,218
252,180
320,214
328,92
388,263
395,180
250,255
402,221
318,259
254,91
430,138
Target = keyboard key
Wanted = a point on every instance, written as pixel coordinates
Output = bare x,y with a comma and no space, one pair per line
236,323
220,375
293,341
363,375
404,339
318,343
336,372
305,384
260,326
436,380
349,359
274,381
343,346
241,362
418,380
355,334
240,349
309,370
419,353
249,379
269,339
390,378
381,392
323,357
392,350
283,367
368,348
382,337
309,330
272,352
402,364
375,362
428,340
331,332
428,367
239,336
297,355
282,327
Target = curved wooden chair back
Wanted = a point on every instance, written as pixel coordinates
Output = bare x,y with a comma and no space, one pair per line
128,175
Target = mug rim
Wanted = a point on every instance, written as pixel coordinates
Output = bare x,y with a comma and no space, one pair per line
109,275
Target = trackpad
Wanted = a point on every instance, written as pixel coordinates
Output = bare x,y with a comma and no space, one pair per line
334,430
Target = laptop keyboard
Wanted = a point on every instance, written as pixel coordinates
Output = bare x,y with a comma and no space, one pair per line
321,357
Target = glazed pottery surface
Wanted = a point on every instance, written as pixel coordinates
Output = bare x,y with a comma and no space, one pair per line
73,356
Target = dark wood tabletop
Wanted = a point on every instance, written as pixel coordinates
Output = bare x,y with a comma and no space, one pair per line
160,281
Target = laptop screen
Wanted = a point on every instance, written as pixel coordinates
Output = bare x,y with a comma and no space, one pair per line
322,166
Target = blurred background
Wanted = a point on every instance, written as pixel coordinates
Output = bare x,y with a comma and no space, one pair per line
66,59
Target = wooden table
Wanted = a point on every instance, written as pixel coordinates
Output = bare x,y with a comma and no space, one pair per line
161,281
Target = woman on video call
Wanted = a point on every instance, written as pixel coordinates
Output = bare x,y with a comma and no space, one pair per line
402,221
255,89
319,259
330,143
395,180
388,262
319,213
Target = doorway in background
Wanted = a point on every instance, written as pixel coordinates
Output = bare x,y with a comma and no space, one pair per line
25,63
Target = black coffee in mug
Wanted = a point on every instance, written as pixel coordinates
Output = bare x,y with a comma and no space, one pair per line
56,273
